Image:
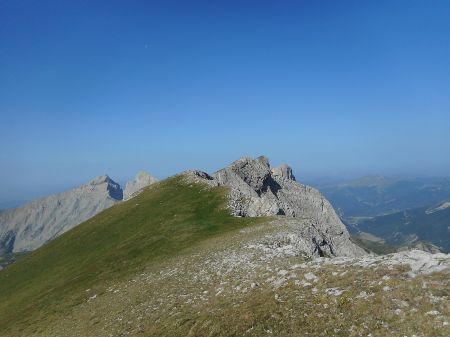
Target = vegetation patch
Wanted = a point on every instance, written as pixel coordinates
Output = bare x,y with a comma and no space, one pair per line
165,220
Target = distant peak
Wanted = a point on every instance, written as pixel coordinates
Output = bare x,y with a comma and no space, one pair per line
144,176
372,181
142,179
100,180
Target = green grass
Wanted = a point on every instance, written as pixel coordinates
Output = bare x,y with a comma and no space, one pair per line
163,221
7,259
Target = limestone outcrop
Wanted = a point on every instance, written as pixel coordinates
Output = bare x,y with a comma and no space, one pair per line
256,189
283,171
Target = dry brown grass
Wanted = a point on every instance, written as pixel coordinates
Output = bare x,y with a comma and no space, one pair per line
182,298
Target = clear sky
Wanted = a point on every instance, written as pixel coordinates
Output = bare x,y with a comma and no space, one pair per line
330,87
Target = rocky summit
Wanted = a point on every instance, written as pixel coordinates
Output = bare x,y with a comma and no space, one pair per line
256,189
142,179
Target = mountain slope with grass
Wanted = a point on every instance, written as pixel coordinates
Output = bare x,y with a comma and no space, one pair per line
28,227
120,241
173,261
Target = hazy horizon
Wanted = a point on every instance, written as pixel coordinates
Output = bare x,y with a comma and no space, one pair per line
335,89
26,193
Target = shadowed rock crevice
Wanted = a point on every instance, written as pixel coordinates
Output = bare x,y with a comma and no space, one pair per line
7,242
270,185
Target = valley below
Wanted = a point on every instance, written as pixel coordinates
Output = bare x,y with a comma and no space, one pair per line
390,214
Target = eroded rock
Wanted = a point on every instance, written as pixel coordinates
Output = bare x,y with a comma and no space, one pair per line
258,190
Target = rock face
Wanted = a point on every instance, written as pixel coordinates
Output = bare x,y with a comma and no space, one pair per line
419,261
258,190
142,179
283,171
30,226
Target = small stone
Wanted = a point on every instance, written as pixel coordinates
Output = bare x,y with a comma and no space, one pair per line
433,313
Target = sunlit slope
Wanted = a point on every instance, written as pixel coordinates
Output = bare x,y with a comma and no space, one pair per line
163,221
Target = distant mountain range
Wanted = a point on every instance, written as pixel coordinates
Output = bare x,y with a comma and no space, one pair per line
429,224
28,227
378,195
400,212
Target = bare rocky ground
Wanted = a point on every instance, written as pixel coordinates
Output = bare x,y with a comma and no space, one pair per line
256,283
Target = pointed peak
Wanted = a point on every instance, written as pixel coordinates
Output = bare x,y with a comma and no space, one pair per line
100,180
144,176
261,160
142,179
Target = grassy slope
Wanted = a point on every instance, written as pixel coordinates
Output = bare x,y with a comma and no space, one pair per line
224,288
162,221
297,310
9,258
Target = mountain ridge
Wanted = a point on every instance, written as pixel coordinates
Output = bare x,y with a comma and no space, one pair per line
257,189
409,227
173,261
379,195
29,226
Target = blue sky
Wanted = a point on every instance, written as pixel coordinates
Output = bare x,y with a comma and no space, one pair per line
334,88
